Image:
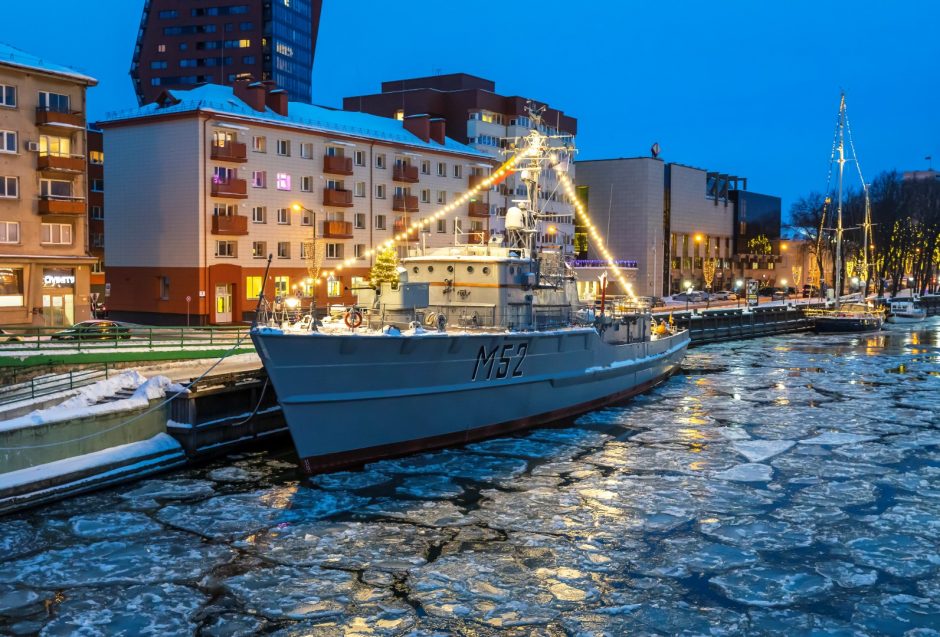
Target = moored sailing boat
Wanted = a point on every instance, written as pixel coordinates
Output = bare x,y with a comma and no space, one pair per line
524,352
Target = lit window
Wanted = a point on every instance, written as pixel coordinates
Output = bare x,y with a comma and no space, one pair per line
281,285
334,287
252,287
283,181
400,114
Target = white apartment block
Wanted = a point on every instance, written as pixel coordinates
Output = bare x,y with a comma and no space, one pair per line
204,184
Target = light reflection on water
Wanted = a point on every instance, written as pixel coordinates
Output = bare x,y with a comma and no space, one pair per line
789,484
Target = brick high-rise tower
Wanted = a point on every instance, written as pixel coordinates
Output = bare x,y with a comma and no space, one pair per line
182,43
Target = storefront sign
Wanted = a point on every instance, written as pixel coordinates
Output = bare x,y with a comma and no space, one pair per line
752,290
58,278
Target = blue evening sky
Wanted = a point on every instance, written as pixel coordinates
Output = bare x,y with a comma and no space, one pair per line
748,88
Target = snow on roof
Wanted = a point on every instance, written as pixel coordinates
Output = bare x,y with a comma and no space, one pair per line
12,56
215,98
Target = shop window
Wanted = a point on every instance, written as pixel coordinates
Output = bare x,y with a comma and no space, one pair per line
11,287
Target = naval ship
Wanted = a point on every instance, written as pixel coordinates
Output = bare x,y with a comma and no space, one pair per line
475,340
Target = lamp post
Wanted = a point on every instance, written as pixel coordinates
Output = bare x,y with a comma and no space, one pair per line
312,257
737,291
698,242
688,293
783,282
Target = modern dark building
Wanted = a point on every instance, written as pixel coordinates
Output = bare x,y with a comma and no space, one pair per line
182,43
755,215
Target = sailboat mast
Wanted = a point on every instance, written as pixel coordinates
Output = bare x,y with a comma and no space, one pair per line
838,261
866,228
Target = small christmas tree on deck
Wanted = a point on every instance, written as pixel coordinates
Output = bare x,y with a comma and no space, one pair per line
385,269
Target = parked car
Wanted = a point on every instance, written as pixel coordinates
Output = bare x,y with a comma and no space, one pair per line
724,295
694,296
766,291
810,291
780,295
93,331
7,337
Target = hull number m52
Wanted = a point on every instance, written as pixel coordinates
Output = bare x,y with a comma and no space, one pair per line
502,361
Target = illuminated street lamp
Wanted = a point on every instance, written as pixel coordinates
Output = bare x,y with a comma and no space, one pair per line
783,282
688,292
737,290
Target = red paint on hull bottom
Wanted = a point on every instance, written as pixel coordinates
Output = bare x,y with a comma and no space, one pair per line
312,465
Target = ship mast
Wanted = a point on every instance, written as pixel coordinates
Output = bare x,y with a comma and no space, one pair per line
837,278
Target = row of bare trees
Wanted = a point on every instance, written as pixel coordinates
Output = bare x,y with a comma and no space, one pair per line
905,234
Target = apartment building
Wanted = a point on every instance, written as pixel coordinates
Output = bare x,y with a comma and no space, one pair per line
182,43
669,218
44,262
203,185
474,114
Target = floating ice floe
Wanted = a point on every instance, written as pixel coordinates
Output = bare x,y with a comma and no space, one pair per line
229,474
429,487
456,464
886,614
435,514
760,450
149,494
112,525
847,575
769,586
761,535
17,537
898,555
837,438
748,472
351,480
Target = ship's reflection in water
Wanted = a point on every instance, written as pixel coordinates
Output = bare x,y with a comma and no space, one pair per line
779,485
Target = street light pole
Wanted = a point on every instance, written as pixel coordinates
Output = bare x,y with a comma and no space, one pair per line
313,246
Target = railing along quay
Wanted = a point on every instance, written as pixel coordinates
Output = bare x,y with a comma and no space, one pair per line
728,324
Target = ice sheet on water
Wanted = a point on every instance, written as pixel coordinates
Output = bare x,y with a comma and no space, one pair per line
837,438
785,621
699,555
17,537
429,487
432,513
760,450
20,602
917,439
237,515
874,452
153,609
747,472
351,480
284,592
681,459
385,620
347,545
228,624
456,464
169,557
653,618
771,586
847,575
229,474
896,554
149,494
524,448
919,517
807,515
113,524
837,494
822,467
577,436
884,614
758,534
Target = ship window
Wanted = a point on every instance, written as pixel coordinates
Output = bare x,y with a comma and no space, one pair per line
450,268
470,269
415,269
486,270
430,268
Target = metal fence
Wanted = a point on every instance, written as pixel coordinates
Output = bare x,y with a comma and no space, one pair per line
53,383
50,339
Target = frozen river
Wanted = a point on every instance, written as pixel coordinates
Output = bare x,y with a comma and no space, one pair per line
778,486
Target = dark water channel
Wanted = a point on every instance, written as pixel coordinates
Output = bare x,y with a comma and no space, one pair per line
781,485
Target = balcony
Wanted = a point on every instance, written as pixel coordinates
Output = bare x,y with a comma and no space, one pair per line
337,197
479,209
405,203
230,188
336,165
475,180
61,206
230,151
63,119
402,224
61,163
405,173
231,225
337,230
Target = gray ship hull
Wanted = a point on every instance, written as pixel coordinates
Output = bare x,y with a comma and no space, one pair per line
350,398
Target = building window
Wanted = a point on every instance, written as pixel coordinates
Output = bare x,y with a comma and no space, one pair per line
283,147
97,240
54,102
281,285
441,169
97,213
442,225
158,64
359,189
7,95
380,191
161,48
259,144
400,114
306,218
283,181
225,210
259,250
380,222
56,234
359,250
283,216
359,158
334,287
164,288
55,189
97,185
96,157
9,233
226,249
169,13
306,150
283,250
259,179
426,195
7,141
252,287
9,187
441,197
55,146
425,167
458,171
334,251
259,214
306,184
359,221
380,160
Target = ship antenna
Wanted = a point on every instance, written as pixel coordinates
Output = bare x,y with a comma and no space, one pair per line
264,279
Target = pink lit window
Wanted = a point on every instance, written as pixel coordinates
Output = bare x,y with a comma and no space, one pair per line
283,181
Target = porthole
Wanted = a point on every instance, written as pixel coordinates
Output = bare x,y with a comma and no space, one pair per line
415,269
470,269
450,268
430,268
486,270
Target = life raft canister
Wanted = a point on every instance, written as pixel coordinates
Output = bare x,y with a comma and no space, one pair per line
353,319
